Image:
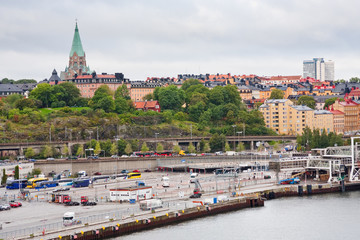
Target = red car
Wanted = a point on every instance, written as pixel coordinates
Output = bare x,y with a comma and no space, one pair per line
14,204
136,170
97,173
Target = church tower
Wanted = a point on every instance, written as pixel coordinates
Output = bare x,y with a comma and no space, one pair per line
77,59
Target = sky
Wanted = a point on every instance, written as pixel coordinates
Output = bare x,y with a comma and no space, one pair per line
164,38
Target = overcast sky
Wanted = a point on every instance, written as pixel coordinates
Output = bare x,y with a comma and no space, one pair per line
144,38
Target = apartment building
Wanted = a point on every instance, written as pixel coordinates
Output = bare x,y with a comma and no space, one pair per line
339,121
351,112
323,119
284,117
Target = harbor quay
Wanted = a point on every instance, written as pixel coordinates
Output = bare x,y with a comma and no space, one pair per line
40,218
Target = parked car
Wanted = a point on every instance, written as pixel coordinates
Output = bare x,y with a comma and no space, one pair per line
32,160
93,157
147,170
124,171
72,158
114,156
124,156
14,204
97,173
4,207
136,170
50,159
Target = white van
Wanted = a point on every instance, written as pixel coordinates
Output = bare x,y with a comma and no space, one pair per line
165,182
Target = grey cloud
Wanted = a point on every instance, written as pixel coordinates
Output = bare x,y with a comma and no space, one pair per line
163,38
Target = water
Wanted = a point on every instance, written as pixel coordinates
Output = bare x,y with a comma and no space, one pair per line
329,216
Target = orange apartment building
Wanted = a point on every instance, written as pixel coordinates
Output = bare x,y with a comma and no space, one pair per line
339,121
351,114
139,89
284,117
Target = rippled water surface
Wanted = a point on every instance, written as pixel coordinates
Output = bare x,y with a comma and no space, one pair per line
330,216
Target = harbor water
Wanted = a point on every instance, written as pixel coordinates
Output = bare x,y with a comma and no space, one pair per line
327,216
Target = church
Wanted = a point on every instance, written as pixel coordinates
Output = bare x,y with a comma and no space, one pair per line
77,59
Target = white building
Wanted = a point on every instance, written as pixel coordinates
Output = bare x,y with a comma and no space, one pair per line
125,194
319,69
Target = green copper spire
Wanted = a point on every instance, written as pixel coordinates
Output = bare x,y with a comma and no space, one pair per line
76,44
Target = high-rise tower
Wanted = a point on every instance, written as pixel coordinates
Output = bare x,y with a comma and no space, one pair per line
77,59
319,69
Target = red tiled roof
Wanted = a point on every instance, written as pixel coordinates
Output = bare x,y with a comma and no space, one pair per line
151,104
147,104
139,105
97,76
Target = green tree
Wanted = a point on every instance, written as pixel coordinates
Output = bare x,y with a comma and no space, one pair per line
144,147
227,147
207,147
190,82
217,142
66,92
103,99
123,106
27,103
354,80
12,99
307,100
80,151
44,93
171,98
16,172
216,96
29,152
191,148
159,147
176,148
277,94
148,97
65,150
114,149
4,177
121,144
240,147
202,144
331,101
128,149
97,149
122,92
47,152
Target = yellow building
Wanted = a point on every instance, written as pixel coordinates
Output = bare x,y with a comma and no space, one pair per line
245,92
284,117
351,112
323,119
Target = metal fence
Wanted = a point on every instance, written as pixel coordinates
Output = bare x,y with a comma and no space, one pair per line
123,215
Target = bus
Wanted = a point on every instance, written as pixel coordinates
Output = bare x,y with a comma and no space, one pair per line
46,184
65,182
165,153
133,175
144,154
33,181
16,184
81,182
99,178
